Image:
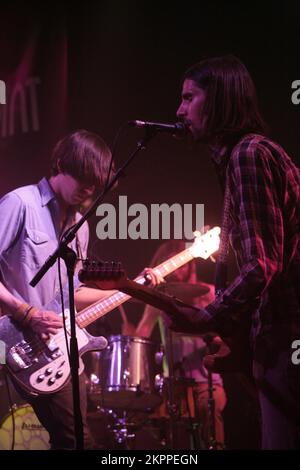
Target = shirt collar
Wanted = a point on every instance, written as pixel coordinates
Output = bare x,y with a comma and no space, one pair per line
46,192
219,154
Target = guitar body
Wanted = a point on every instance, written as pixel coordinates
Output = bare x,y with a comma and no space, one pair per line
37,366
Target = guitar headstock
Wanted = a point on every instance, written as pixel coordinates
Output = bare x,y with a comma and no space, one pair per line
103,275
206,244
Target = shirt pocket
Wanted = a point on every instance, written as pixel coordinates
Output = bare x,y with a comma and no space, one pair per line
37,246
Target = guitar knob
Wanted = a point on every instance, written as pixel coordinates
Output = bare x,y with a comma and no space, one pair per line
59,374
40,378
51,381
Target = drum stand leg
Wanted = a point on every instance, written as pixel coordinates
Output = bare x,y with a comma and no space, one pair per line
172,407
195,428
121,429
213,444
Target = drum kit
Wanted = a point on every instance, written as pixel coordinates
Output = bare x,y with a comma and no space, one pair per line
124,382
126,386
128,392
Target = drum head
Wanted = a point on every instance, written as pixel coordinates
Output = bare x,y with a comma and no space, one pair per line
29,433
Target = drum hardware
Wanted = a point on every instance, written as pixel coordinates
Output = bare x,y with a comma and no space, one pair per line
123,429
213,444
123,377
125,383
130,430
136,359
174,406
159,383
123,426
159,356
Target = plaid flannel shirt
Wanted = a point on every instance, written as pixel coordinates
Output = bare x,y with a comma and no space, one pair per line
264,233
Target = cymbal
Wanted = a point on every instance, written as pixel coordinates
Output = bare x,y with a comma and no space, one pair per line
184,290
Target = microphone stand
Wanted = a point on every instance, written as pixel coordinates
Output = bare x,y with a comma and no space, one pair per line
69,257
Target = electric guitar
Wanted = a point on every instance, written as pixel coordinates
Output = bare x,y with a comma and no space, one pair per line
41,367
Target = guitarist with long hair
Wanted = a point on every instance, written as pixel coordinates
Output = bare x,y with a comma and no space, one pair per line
261,219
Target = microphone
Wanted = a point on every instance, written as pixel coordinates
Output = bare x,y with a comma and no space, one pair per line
176,129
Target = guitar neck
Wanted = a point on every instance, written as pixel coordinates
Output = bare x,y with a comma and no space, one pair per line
153,297
109,303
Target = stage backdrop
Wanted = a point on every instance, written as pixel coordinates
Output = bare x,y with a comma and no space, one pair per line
34,67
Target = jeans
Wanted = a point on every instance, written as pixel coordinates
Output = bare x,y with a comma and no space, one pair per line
279,391
55,412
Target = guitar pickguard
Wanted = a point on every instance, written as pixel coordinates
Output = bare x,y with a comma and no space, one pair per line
37,366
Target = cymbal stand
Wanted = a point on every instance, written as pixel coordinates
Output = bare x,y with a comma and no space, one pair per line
122,428
172,407
212,443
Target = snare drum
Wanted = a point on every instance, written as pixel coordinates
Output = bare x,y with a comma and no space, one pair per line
123,375
29,433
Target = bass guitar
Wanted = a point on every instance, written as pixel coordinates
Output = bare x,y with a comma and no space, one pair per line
41,367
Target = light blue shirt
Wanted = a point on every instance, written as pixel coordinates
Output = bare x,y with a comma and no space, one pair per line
29,233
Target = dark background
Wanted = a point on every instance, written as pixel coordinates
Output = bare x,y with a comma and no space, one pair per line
125,60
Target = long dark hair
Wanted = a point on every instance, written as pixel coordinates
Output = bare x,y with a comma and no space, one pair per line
230,107
83,155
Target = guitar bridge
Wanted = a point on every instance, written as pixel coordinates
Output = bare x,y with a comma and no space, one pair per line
20,356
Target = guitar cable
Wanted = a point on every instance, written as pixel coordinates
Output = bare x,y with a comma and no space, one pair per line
11,408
